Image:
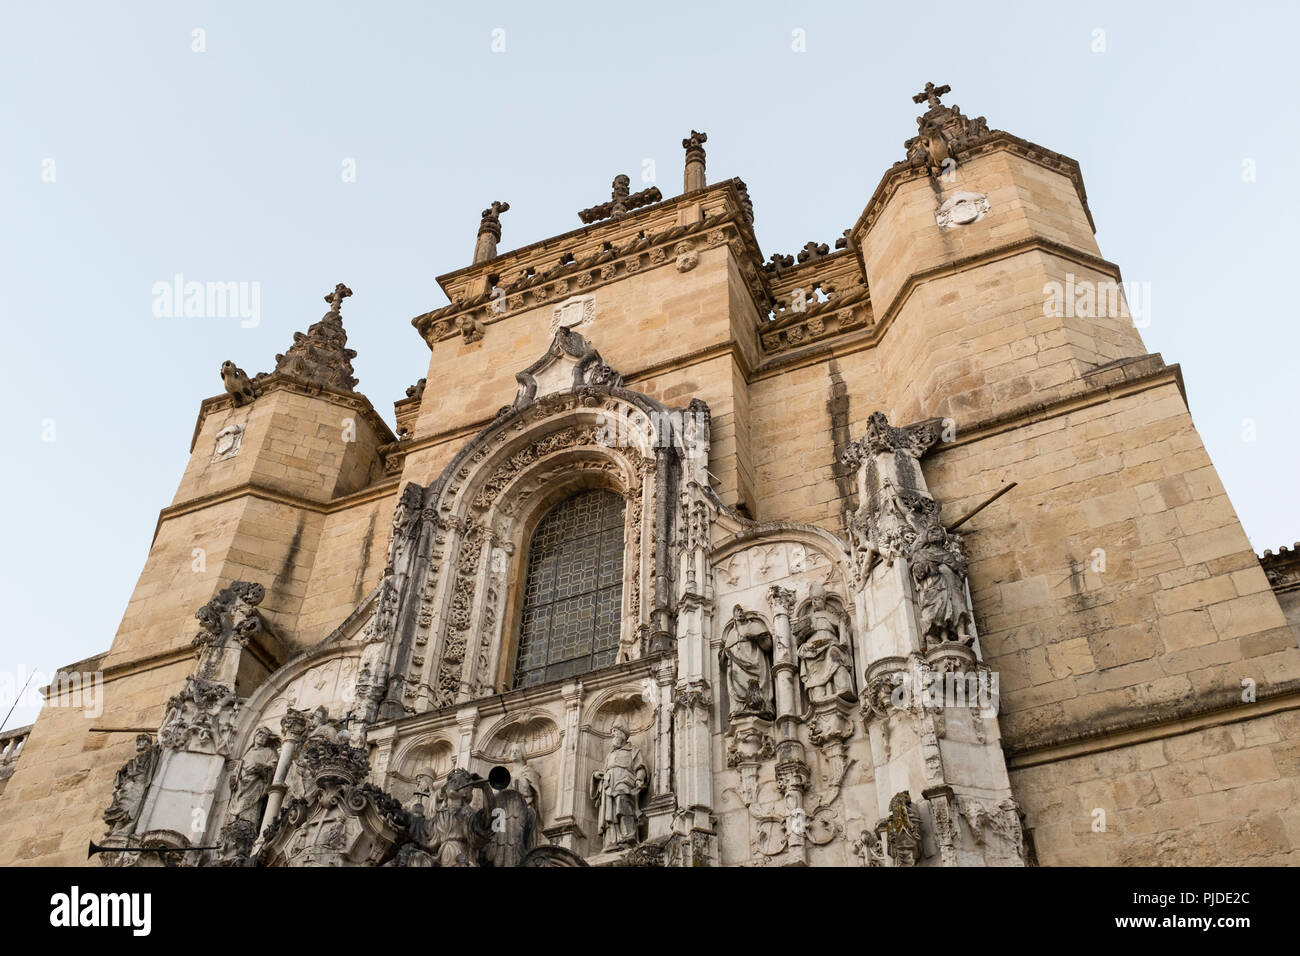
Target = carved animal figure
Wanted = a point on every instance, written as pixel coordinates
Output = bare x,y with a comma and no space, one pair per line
237,383
470,327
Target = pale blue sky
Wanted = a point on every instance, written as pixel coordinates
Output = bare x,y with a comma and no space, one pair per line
225,166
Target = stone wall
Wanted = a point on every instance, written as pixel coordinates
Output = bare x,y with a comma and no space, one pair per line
1224,794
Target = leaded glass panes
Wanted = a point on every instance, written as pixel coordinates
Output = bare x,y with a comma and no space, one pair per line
573,592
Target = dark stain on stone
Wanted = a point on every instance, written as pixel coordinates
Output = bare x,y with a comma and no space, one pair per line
285,573
364,565
838,408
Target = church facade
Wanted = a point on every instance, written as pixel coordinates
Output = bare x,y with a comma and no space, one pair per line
904,552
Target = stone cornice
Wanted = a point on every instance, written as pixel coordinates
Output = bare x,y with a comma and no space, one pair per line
840,269
1148,372
846,311
906,171
379,490
534,697
870,329
276,382
460,432
642,250
595,234
1198,715
1283,568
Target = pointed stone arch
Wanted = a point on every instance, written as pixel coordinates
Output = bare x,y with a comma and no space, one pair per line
461,544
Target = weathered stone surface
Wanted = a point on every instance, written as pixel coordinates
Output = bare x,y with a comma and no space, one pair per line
798,440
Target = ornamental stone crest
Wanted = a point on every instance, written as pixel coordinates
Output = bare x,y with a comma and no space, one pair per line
570,363
227,443
962,209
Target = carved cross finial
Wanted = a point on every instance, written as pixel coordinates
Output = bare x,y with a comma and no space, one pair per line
621,201
620,193
493,212
932,93
335,298
489,232
813,250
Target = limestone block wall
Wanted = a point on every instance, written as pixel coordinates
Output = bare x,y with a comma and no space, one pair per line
797,434
317,447
351,553
1114,584
51,808
1116,593
1219,795
645,320
1026,201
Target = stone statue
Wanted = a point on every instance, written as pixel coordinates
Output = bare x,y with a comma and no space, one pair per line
323,728
939,573
903,829
616,789
515,829
867,849
747,644
130,787
825,661
252,778
458,831
525,779
424,781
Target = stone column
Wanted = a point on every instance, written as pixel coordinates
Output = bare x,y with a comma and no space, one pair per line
785,672
693,178
565,831
489,232
466,721
292,727
792,774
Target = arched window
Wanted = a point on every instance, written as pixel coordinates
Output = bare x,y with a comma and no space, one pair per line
573,592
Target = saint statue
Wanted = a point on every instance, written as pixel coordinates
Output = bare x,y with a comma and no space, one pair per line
130,786
747,644
322,728
516,814
424,781
525,779
252,778
616,789
939,573
825,661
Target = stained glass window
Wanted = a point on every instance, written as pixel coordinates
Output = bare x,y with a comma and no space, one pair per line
573,592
